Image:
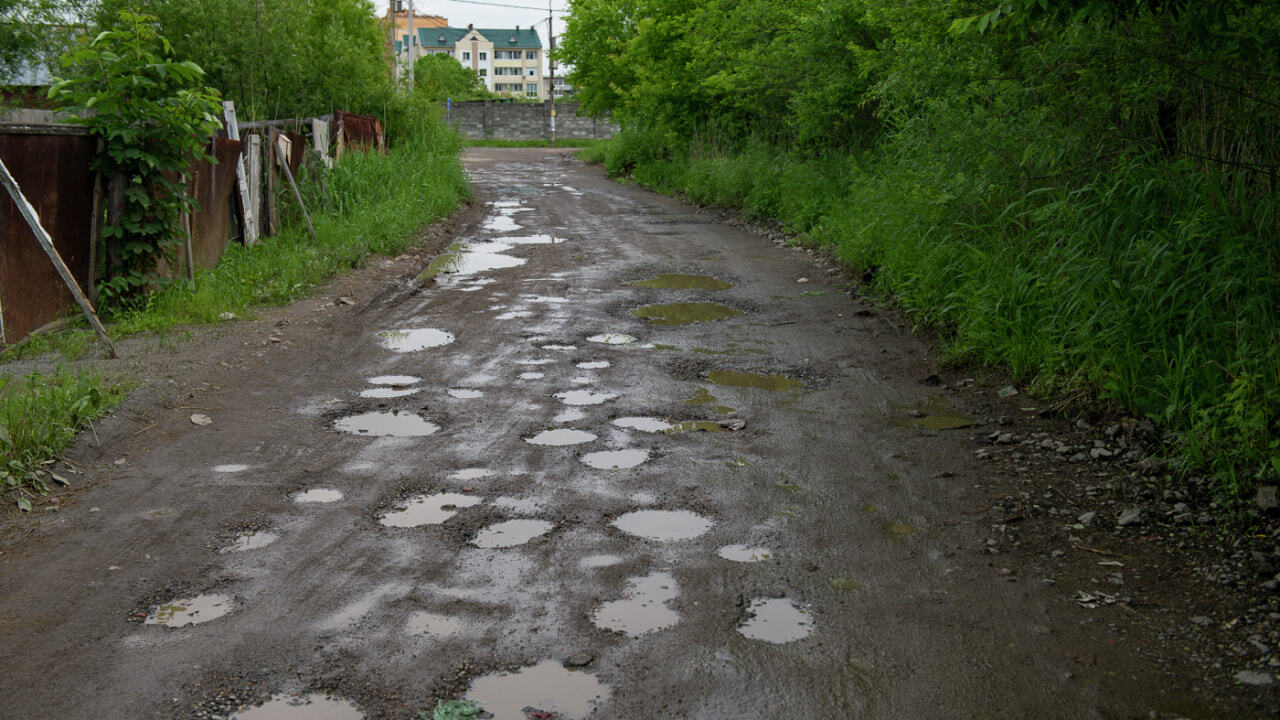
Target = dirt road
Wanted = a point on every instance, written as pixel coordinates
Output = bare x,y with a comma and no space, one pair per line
612,458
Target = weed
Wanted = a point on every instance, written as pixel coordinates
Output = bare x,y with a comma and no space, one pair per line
452,710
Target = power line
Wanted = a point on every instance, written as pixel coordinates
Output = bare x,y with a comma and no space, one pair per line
504,5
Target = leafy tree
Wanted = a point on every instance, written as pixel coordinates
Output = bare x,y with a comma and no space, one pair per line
439,76
34,32
154,115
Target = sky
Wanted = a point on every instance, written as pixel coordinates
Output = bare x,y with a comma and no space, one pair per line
490,13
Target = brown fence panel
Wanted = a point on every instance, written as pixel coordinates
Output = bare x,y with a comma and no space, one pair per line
53,171
363,131
212,186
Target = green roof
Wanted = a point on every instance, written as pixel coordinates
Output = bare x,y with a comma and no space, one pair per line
500,37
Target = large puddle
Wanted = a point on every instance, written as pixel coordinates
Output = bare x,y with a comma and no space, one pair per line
612,338
250,540
776,620
593,365
414,339
394,380
560,437
676,281
684,313
459,261
428,509
546,688
615,459
191,611
539,239
501,223
432,624
643,424
734,378
744,553
584,397
386,424
318,495
663,525
300,707
643,607
511,533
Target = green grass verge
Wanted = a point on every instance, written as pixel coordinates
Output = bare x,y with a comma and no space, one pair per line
40,415
568,143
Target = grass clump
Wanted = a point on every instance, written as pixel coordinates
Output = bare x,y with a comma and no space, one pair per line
452,710
40,415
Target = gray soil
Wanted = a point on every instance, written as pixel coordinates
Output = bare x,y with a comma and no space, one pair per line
904,568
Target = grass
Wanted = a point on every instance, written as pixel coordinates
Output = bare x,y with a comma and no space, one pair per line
565,143
40,415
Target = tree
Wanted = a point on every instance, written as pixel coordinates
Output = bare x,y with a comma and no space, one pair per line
437,77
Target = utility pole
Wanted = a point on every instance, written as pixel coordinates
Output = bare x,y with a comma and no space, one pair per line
551,62
413,39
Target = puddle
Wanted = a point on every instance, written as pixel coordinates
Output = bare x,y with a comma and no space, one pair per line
744,553
684,313
547,687
532,375
471,474
600,561
695,426
940,422
318,495
465,393
593,365
511,533
559,347
415,339
544,299
703,397
251,540
501,223
615,459
230,468
560,437
468,263
191,611
428,509
581,380
663,525
675,281
388,392
537,361
644,424
570,415
584,397
394,380
522,506
386,424
776,620
300,707
734,378
432,624
514,315
612,339
540,239
643,607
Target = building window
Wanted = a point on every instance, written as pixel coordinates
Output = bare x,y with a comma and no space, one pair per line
466,55
530,54
484,56
483,72
533,72
531,89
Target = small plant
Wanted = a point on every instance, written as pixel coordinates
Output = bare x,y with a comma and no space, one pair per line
452,710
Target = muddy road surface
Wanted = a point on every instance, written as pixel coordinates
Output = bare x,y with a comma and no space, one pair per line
604,457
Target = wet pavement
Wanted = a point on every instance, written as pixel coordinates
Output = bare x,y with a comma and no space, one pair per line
695,544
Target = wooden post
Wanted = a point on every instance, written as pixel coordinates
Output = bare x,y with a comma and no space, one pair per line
253,162
233,132
288,175
186,230
273,212
95,234
46,242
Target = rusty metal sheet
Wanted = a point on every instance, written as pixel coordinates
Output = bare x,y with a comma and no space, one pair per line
53,172
364,131
297,150
210,225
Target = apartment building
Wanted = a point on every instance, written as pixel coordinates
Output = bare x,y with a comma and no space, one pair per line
508,61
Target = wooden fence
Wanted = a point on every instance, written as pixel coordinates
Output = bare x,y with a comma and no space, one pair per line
51,161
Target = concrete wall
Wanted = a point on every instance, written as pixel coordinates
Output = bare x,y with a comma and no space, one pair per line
488,120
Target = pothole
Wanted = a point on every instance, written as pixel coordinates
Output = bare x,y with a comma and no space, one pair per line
394,380
471,474
432,624
532,375
318,495
744,553
643,424
663,525
300,707
428,510
584,397
570,415
600,561
677,281
191,611
414,339
776,620
468,263
643,607
615,459
555,346
389,392
547,688
465,393
539,239
560,437
735,378
593,365
250,540
230,468
386,424
684,313
612,339
510,533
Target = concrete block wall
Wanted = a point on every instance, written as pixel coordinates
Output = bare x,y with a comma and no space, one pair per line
489,120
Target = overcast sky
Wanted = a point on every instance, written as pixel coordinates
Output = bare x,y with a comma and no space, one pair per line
490,15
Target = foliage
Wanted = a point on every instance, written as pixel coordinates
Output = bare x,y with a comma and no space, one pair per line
439,76
1085,191
153,115
39,417
34,32
369,203
452,710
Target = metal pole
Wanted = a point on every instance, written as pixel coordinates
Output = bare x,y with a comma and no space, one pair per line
551,63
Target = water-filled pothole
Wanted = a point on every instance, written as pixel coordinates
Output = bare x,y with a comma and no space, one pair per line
531,375
394,380
615,459
232,468
703,398
584,397
776,620
593,365
643,607
428,509
501,223
471,474
432,624
600,561
539,239
414,339
510,533
643,424
389,392
250,540
300,707
734,378
696,426
684,313
663,525
191,611
465,393
744,553
547,688
386,424
676,281
557,346
561,437
570,415
612,338
318,495
468,263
